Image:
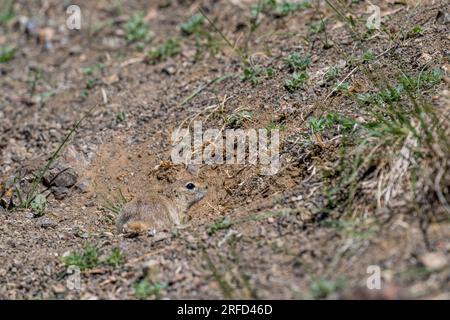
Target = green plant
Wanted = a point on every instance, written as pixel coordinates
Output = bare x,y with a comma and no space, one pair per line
89,71
33,80
399,113
90,83
321,288
136,29
203,87
225,287
39,204
236,119
47,95
193,25
368,56
120,117
7,12
262,5
115,205
84,94
279,9
319,125
252,73
115,257
417,30
255,73
389,95
145,289
364,97
296,82
317,27
353,228
170,48
331,74
204,39
424,80
88,258
346,123
242,55
274,126
6,53
91,256
343,87
297,63
223,223
285,8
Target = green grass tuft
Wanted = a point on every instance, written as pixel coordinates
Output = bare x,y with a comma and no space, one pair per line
168,49
193,26
85,259
6,53
137,30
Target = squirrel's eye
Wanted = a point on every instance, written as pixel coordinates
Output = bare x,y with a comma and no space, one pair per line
190,186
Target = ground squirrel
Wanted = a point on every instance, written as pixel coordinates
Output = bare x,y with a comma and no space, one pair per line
156,211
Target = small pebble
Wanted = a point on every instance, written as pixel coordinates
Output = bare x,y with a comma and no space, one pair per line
434,260
47,223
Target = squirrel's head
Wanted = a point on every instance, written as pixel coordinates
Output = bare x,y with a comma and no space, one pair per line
187,192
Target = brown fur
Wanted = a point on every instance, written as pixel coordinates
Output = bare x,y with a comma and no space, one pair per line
159,211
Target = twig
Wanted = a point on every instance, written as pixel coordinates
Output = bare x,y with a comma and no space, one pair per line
203,87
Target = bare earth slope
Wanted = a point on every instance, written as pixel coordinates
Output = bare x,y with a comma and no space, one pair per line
364,178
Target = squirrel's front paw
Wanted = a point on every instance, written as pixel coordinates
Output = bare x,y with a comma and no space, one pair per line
135,228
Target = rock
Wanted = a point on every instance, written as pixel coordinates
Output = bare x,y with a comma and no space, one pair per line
424,59
443,17
60,177
83,186
108,234
75,49
191,242
160,236
189,52
30,26
434,260
109,80
169,69
29,214
60,192
89,296
149,265
47,223
58,289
